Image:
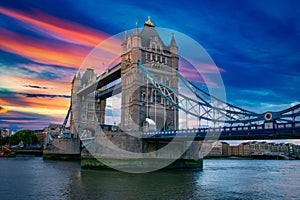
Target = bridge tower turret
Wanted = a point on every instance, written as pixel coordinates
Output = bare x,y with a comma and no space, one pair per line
76,85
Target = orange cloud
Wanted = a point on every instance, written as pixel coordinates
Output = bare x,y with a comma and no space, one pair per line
58,28
49,103
4,102
42,51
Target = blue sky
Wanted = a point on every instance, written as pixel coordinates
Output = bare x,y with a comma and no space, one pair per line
256,43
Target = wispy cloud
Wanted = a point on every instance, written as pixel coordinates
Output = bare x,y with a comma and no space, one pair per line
45,95
35,86
57,28
42,51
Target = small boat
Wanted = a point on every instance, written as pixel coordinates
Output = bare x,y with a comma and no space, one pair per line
6,152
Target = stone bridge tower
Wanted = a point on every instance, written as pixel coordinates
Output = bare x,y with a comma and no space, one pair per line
87,113
143,109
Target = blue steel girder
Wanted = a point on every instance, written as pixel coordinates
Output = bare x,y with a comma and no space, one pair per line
291,113
280,115
208,107
183,102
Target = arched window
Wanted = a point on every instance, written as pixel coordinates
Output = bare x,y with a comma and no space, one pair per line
153,57
153,96
159,48
153,47
167,82
143,96
158,99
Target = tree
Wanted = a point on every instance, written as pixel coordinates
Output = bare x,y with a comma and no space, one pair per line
4,140
27,136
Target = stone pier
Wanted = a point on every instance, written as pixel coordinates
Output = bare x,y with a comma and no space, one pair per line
63,149
99,156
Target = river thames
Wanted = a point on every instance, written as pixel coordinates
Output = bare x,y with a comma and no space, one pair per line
35,178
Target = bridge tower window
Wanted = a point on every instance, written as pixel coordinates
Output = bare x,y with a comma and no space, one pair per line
153,47
144,96
159,48
153,96
158,99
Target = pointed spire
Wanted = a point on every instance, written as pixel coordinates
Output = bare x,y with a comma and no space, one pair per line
136,30
136,38
173,46
148,22
173,42
78,75
125,36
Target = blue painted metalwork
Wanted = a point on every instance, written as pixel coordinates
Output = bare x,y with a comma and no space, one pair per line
214,109
278,131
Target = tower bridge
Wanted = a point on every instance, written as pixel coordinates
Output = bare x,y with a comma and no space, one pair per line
151,103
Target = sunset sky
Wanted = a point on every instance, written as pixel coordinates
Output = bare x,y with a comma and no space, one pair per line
255,44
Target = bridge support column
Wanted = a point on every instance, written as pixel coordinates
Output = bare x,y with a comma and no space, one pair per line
101,116
100,107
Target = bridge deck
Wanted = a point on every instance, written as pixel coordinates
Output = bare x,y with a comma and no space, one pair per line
255,132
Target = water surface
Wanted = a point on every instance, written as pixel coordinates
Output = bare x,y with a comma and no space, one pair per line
35,178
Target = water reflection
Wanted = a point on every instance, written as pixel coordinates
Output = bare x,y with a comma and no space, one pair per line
109,184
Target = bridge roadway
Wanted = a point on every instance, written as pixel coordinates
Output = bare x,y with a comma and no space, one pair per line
254,132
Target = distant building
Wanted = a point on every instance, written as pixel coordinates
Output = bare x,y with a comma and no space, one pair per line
234,150
293,150
244,149
226,151
214,149
6,132
40,134
247,149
